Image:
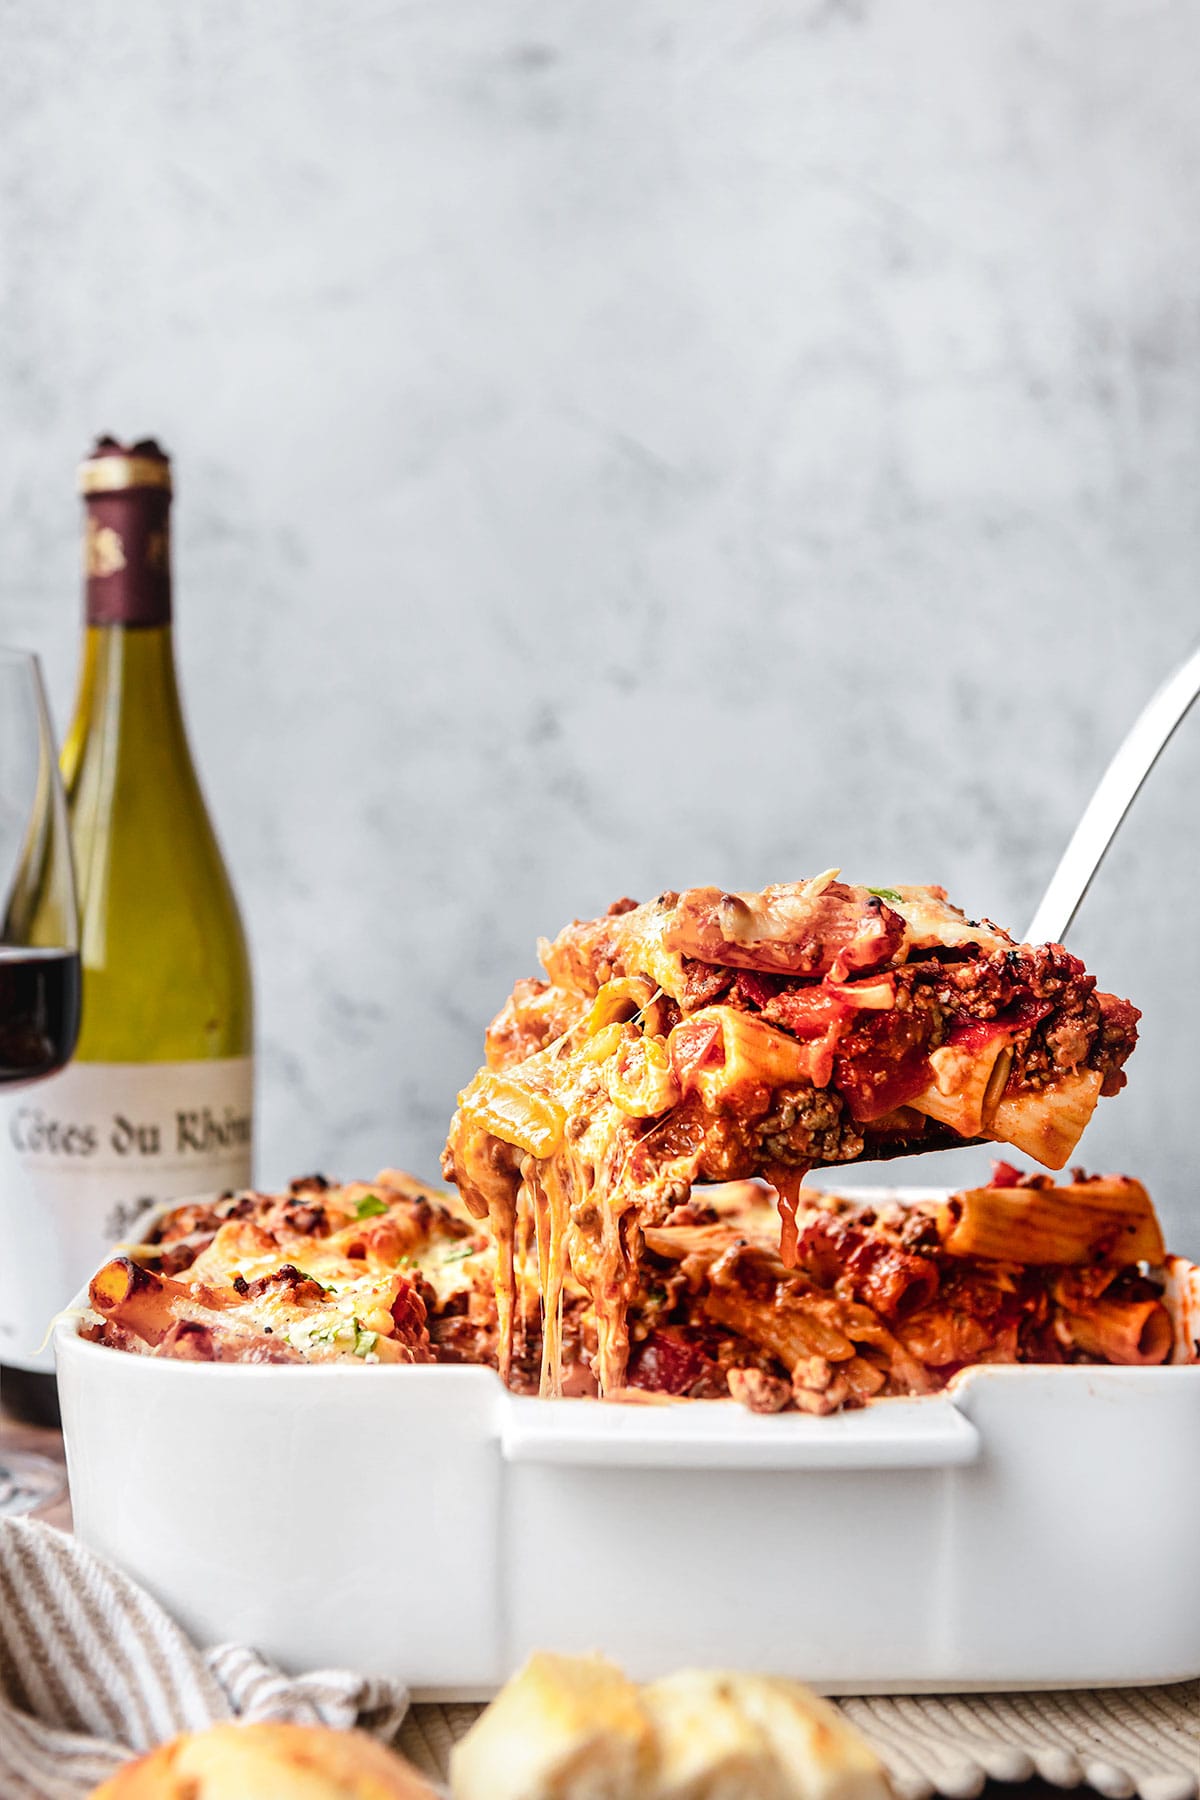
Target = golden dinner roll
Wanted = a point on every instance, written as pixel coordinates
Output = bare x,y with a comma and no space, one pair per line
564,1728
704,1744
754,1737
573,1728
267,1762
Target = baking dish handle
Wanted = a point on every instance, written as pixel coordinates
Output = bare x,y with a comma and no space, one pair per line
928,1433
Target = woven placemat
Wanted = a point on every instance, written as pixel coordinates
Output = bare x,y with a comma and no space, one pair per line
1120,1741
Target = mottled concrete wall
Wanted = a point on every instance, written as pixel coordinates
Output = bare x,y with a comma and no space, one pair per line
625,445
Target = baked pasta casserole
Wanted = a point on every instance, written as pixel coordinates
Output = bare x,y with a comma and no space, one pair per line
880,1299
627,1218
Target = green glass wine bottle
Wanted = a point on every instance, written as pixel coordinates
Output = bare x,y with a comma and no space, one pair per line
158,1102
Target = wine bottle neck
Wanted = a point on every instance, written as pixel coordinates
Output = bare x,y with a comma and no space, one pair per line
127,557
127,704
127,708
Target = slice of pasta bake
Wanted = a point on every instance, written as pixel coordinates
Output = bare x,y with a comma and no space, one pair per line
708,1036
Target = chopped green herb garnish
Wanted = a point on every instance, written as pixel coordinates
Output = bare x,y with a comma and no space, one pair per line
461,1254
364,1341
370,1207
302,1337
885,893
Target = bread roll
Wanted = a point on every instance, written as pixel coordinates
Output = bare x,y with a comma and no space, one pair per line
725,1736
564,1728
573,1728
706,1748
267,1762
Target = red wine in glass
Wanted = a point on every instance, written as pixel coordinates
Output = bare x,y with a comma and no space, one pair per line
40,985
39,1022
39,1011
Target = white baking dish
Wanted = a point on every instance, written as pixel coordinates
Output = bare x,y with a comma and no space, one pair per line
1029,1527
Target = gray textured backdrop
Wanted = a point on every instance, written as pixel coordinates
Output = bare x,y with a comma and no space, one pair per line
625,445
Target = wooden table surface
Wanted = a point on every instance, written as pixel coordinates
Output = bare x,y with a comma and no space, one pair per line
15,1436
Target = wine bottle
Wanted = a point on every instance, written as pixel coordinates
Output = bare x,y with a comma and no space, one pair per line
157,1103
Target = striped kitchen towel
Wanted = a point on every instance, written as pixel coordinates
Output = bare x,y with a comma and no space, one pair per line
92,1671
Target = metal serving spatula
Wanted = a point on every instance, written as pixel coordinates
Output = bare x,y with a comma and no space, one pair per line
1144,743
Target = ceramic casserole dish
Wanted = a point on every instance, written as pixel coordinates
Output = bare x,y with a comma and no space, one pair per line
1027,1527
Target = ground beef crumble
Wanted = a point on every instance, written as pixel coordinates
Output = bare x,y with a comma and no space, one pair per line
1077,1027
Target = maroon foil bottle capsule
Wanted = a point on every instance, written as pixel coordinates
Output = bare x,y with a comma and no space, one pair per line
127,540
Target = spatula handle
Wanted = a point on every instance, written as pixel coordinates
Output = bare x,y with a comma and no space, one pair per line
1118,788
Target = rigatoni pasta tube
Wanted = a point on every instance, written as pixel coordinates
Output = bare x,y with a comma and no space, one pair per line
138,1298
1047,1124
1109,1220
1119,1331
788,1333
755,1054
963,1091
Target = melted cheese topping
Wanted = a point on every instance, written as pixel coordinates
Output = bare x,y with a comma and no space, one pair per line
934,923
338,1272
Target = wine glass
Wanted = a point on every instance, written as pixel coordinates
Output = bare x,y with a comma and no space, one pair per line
39,951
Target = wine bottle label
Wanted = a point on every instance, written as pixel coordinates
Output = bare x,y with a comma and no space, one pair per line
83,1158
